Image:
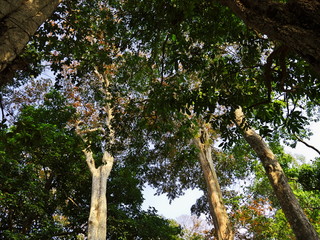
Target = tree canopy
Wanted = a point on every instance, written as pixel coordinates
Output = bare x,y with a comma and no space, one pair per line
172,68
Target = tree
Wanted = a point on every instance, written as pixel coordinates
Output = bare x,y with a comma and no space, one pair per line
226,99
97,223
45,190
180,143
194,228
19,21
234,64
223,227
39,200
293,23
289,203
260,213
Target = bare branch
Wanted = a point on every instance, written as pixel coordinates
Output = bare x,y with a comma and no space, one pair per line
91,130
73,201
305,143
107,108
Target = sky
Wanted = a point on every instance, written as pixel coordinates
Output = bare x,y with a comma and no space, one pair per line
178,207
314,140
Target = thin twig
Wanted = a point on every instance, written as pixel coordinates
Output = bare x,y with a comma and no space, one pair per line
73,201
308,145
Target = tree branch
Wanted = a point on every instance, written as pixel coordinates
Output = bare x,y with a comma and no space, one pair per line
305,143
90,161
295,23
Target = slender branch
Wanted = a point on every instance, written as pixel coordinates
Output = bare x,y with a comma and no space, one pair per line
91,130
107,108
73,201
305,143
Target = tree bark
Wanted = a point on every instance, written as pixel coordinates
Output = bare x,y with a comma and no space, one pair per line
19,20
296,23
223,227
300,224
97,225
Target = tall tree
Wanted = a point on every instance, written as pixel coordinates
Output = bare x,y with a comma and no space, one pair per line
223,228
228,93
299,222
45,190
229,58
173,135
97,223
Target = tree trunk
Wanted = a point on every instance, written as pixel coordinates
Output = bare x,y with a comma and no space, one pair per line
300,224
218,211
296,23
19,20
97,225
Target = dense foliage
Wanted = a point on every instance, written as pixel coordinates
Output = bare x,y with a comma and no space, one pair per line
45,183
172,64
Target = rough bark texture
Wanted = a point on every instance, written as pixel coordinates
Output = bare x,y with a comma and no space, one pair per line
300,224
296,23
218,211
97,225
19,20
